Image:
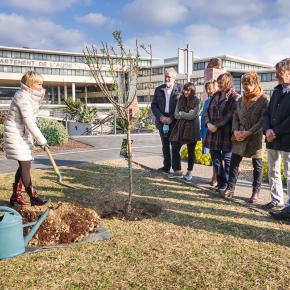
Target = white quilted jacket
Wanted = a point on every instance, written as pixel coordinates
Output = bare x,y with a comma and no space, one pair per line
20,126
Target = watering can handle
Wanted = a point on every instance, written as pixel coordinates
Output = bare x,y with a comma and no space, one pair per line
10,210
35,227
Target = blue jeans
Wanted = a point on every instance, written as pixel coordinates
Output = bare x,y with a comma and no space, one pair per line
221,162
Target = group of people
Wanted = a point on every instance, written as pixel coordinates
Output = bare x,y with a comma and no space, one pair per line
232,126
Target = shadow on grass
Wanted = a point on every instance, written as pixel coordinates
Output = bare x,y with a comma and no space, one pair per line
182,205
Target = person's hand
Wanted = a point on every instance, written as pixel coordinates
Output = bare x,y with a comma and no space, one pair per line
43,146
163,119
168,120
244,135
270,135
211,127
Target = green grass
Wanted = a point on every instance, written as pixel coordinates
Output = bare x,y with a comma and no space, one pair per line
198,242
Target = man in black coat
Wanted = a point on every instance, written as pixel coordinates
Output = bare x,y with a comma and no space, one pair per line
163,107
277,129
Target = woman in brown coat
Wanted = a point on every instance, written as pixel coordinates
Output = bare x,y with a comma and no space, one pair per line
186,130
247,138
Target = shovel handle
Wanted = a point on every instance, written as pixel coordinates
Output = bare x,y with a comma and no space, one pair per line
56,170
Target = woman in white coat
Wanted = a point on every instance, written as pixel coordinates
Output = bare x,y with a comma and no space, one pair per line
20,129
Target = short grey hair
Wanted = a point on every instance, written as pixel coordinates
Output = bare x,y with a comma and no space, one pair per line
172,71
284,64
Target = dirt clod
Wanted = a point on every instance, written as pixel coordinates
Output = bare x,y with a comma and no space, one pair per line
66,223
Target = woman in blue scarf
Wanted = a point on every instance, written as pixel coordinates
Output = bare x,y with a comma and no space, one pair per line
210,88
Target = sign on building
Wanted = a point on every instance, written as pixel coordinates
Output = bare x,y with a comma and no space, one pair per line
185,61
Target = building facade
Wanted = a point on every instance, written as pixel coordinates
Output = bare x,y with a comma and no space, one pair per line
66,75
236,66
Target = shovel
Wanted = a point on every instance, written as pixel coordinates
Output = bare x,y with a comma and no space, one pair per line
56,170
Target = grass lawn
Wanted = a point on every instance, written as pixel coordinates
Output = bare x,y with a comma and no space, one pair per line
199,241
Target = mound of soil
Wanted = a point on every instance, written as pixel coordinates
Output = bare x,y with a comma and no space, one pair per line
66,223
118,209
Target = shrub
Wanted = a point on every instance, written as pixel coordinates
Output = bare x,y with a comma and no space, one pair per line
200,158
1,137
79,112
54,132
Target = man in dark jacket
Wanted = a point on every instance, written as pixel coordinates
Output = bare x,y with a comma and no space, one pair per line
277,129
163,107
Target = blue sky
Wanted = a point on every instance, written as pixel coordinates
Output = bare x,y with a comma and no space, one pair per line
253,29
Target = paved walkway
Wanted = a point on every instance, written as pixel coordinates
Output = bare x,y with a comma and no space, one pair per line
202,176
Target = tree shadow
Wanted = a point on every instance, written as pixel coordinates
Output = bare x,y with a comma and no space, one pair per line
182,205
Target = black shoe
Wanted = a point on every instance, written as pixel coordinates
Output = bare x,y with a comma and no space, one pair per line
281,215
163,169
272,204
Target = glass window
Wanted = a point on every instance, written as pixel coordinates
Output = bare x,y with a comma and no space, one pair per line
25,55
16,54
8,68
7,53
55,71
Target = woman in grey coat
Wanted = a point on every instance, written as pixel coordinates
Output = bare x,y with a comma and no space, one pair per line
20,129
186,130
247,138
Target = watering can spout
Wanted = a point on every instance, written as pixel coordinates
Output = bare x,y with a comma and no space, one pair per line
35,227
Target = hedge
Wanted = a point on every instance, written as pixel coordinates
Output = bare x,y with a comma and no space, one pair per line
54,132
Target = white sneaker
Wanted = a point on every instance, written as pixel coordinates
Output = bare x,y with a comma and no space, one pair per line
188,176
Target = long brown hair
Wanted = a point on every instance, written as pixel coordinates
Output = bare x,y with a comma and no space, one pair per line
186,104
228,80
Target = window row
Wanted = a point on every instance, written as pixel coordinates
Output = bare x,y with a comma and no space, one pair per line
268,77
50,71
197,81
147,85
56,57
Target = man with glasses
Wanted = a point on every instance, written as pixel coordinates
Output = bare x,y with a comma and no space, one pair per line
163,107
277,130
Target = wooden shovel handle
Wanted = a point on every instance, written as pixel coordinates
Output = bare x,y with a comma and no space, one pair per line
52,161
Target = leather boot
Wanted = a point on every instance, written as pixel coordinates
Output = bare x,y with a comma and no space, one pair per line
227,193
254,198
34,197
17,196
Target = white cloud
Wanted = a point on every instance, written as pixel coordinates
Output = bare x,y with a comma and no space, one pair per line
202,36
158,12
227,12
163,45
265,43
38,33
93,18
283,7
41,6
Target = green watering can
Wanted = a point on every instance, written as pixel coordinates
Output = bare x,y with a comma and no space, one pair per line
12,240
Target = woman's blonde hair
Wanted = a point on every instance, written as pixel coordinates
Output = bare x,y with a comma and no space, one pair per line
30,78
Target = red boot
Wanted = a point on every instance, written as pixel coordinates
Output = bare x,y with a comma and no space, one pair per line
17,196
34,197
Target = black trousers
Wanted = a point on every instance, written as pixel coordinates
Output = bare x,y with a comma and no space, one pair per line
166,148
176,160
257,172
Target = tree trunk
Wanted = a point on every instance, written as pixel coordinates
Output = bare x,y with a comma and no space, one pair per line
130,169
